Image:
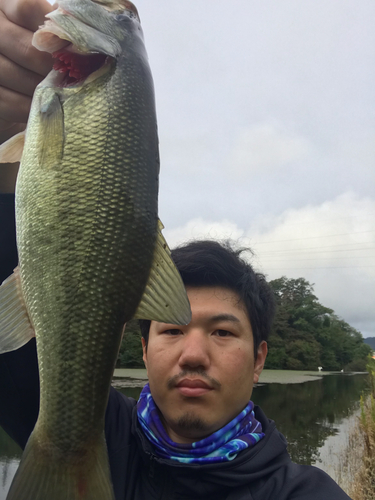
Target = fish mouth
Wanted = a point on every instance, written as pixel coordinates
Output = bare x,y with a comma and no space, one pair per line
84,38
75,68
74,61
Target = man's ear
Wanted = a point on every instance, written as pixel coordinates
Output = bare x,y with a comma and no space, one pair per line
260,360
144,347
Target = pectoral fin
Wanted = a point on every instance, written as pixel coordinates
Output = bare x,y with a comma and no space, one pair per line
15,326
11,151
164,298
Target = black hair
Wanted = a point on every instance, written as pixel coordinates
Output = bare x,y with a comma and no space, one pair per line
205,263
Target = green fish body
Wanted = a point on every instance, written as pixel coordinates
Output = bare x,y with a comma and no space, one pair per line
91,255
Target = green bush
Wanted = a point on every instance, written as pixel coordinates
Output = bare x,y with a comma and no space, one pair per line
130,354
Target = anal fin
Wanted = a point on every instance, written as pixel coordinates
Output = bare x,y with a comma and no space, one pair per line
164,298
15,326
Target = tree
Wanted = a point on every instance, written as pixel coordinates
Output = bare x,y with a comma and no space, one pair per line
130,354
307,334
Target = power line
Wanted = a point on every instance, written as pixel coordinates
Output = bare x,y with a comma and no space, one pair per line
314,267
314,237
331,246
337,258
319,222
306,250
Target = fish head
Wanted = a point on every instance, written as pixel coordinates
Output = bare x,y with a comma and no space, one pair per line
87,37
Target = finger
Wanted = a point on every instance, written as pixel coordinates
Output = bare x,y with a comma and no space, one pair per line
13,77
14,107
26,13
15,44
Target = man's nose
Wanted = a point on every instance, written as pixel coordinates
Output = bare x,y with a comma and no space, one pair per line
195,350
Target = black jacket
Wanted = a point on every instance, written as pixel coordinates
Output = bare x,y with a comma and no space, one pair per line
264,472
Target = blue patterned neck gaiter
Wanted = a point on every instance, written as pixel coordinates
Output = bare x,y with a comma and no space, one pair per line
242,432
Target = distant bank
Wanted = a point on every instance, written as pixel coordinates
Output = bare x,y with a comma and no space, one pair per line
137,377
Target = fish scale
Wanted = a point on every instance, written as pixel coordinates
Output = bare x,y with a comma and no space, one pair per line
106,176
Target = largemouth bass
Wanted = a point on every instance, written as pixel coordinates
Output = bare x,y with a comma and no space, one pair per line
91,253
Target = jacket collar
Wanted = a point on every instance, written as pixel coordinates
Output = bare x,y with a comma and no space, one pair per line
192,480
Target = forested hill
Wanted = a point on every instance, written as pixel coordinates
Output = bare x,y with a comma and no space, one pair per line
371,342
305,334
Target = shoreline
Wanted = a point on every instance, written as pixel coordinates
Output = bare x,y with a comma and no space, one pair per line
137,377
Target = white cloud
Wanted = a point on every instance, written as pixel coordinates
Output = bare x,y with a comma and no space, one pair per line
332,245
346,222
203,229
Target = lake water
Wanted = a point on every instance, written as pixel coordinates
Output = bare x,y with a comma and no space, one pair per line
314,416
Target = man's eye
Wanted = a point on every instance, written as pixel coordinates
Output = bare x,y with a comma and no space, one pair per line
223,333
172,331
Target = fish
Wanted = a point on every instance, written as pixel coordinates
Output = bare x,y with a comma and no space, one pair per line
91,252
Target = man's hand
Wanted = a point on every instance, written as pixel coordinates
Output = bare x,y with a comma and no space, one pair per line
22,67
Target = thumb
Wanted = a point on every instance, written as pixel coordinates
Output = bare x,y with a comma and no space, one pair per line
26,13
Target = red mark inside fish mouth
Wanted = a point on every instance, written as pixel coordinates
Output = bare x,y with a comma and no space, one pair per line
76,67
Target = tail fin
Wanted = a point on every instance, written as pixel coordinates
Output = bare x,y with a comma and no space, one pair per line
41,476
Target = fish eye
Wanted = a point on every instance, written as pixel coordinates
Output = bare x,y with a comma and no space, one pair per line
123,18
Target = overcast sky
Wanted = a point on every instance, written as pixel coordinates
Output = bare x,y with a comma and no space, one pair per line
267,135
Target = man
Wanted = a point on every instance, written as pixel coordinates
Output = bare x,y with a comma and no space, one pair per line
194,434
201,375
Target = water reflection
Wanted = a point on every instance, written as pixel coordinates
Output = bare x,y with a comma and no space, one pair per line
10,454
8,469
305,413
310,412
8,448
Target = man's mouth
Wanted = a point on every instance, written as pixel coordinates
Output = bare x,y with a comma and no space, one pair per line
193,388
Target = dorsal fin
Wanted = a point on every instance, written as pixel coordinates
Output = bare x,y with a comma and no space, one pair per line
164,298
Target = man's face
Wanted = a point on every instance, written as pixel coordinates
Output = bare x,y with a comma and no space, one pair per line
201,375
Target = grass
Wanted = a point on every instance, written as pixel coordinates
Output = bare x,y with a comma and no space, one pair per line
137,373
357,467
289,376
